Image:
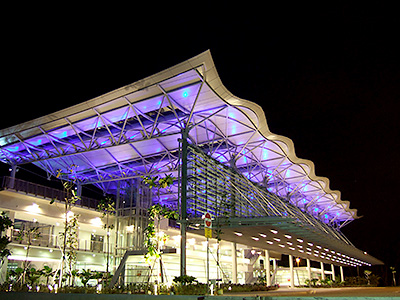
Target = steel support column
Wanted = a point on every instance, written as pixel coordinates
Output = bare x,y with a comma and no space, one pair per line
183,225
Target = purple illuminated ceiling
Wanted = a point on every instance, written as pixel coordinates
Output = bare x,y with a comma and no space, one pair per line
134,131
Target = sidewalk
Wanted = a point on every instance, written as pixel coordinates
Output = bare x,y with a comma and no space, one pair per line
325,292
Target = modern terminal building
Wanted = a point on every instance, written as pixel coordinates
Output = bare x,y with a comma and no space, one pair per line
269,204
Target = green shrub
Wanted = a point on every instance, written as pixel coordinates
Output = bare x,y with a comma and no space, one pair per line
189,289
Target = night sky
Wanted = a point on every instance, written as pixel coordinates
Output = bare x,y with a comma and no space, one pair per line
326,76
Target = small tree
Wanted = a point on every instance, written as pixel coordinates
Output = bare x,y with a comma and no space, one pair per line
153,238
30,235
223,209
393,269
33,276
48,273
5,223
70,235
85,276
367,273
106,207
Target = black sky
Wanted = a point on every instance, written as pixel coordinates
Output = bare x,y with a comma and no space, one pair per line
326,76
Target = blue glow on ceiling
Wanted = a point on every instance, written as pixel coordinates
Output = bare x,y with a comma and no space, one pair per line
265,154
13,148
36,143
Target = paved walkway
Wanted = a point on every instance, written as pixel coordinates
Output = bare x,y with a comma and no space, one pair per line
326,292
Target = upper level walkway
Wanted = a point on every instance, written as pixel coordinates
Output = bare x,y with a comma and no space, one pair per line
41,191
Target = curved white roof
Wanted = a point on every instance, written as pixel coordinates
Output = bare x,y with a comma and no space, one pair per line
133,131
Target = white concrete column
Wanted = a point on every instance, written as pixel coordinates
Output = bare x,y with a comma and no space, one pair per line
308,269
234,263
322,271
12,175
79,189
341,274
291,271
274,267
333,272
267,268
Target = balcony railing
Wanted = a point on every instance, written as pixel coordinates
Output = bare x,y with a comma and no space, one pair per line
54,241
38,190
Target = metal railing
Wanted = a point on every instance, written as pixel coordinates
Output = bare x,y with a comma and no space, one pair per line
38,190
56,242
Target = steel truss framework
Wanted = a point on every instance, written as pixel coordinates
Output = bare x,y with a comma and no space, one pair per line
222,191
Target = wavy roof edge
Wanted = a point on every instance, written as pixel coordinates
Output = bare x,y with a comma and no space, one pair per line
57,119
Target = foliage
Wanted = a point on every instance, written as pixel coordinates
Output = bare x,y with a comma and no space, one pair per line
47,273
362,281
33,275
30,235
189,289
185,279
313,282
187,285
5,223
70,234
240,288
107,208
85,276
393,270
162,183
152,238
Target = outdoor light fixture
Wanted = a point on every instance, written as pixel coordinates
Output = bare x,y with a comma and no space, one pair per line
238,233
96,222
34,208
